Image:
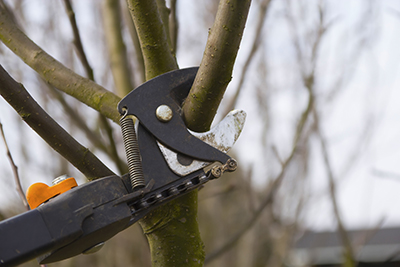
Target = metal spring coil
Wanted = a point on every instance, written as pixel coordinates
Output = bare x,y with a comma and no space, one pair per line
132,152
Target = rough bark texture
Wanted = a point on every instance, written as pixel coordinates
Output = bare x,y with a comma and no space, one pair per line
157,55
171,230
138,51
78,155
217,64
54,72
173,233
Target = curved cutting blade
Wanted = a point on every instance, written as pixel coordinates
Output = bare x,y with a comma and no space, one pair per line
222,137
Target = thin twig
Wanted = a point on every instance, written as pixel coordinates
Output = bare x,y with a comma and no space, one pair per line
113,152
77,40
93,136
124,87
76,118
332,192
308,76
271,191
14,167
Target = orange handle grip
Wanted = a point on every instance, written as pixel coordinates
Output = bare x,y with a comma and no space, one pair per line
39,193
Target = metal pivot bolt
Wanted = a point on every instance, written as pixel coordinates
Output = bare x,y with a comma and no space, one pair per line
164,113
132,152
216,171
59,179
231,165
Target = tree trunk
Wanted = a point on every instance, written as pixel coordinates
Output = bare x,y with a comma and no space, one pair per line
172,229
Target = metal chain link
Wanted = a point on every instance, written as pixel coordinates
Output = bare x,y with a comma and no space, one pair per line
177,189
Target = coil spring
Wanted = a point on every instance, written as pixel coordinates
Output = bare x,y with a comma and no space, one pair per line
132,152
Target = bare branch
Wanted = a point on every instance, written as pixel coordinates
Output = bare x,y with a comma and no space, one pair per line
164,14
262,12
138,50
54,72
77,40
349,253
82,55
116,47
271,191
173,27
79,156
112,148
157,55
217,64
14,167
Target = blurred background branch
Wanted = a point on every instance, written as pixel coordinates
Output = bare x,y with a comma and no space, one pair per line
119,66
17,180
56,73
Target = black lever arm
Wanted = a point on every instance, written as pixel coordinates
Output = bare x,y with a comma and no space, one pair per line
169,89
86,213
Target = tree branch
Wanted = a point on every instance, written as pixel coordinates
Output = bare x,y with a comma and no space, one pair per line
92,136
79,156
172,229
272,189
165,15
54,72
122,168
76,118
138,50
262,12
216,66
173,27
156,52
77,40
116,47
349,251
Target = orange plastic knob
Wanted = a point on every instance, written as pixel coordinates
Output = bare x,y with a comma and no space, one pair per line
39,193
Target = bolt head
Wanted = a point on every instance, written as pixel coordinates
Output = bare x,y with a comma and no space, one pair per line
216,171
164,113
59,179
232,165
